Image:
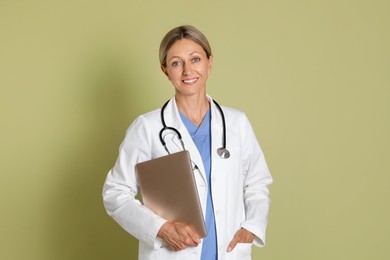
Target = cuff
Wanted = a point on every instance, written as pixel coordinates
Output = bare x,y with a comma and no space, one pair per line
259,236
155,241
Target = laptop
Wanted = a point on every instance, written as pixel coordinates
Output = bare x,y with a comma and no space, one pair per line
168,188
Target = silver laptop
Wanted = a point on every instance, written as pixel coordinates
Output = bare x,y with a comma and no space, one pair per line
168,188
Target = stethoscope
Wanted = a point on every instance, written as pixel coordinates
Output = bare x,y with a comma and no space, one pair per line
222,151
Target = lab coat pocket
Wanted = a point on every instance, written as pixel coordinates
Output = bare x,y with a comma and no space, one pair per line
242,251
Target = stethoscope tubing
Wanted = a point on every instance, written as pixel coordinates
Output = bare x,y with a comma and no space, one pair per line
223,124
222,152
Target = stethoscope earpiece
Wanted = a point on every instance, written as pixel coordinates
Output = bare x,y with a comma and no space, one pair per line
222,152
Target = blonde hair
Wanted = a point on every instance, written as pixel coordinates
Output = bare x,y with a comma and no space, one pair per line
182,32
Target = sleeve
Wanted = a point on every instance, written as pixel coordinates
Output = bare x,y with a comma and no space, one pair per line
120,187
256,185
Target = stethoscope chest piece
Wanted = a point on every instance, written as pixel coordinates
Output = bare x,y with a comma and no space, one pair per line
223,153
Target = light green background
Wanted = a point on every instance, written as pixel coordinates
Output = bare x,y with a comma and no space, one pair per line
312,76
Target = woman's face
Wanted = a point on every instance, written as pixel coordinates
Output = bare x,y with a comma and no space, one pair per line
187,67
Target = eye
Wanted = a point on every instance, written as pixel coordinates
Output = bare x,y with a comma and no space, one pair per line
176,63
195,59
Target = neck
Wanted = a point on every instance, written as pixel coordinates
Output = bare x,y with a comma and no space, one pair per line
194,107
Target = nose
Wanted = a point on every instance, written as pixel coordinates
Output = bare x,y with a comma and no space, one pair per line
186,69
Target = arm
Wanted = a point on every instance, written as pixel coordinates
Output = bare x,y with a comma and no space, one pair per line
256,192
120,187
257,181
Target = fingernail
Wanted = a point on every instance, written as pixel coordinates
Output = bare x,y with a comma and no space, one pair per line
229,249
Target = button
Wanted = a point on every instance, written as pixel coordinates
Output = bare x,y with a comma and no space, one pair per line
217,212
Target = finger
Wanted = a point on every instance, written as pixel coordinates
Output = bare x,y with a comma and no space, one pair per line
179,236
187,236
178,246
193,235
232,244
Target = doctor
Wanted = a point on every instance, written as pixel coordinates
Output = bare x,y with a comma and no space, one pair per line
233,188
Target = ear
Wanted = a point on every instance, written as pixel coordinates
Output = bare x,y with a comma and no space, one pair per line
164,70
210,63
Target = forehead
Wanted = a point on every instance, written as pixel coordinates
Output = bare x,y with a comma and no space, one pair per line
184,47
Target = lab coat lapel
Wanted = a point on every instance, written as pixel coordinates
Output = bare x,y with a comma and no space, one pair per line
173,119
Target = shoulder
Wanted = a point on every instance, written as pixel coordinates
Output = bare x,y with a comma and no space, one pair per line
233,114
151,116
236,118
146,120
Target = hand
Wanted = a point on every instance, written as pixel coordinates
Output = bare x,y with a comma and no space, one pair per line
178,236
241,236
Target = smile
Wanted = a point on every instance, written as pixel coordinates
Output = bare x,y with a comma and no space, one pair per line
190,81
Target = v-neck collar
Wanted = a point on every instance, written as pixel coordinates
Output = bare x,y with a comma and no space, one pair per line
203,128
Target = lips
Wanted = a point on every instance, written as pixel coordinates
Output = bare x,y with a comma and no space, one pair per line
190,81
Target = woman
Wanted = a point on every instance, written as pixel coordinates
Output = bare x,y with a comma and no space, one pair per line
233,191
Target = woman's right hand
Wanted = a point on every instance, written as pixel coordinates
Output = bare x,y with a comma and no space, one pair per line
178,236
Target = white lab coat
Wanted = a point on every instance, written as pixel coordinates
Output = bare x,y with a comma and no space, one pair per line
239,184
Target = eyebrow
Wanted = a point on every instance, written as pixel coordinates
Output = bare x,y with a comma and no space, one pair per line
192,53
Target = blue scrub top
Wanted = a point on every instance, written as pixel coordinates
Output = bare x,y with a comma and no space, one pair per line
202,138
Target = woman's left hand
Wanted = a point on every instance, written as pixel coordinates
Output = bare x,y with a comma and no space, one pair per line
241,236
